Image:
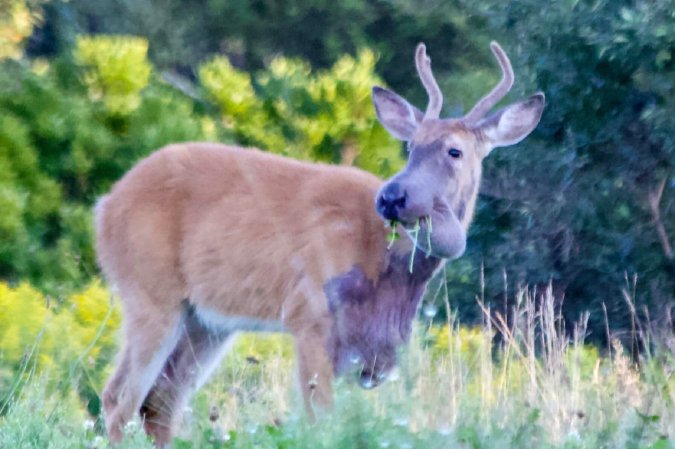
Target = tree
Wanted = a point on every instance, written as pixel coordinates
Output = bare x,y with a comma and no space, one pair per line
591,196
16,24
67,132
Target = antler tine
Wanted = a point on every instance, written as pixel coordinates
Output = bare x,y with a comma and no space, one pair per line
500,90
423,64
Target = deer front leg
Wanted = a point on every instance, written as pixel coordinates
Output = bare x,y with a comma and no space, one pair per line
315,370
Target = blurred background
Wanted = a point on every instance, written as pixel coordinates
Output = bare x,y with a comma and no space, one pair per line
585,205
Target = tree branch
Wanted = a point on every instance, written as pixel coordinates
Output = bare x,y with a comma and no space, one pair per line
654,201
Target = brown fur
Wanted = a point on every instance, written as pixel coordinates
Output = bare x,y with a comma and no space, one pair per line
236,231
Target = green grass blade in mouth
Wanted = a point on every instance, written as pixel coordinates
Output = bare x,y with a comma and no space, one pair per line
415,235
429,231
393,234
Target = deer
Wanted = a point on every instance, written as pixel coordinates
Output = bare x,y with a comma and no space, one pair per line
204,240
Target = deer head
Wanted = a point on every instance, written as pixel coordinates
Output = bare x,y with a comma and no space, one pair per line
439,183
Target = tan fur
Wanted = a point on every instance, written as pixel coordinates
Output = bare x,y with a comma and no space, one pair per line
239,232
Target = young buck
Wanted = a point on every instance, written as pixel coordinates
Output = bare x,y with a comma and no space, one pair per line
203,240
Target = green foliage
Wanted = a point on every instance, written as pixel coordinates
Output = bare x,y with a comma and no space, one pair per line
586,198
118,69
248,353
16,24
39,420
574,203
73,343
60,148
326,116
442,399
320,31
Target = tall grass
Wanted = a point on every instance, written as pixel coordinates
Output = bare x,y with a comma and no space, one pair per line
522,380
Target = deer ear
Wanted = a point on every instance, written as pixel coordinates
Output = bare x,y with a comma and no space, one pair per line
513,123
397,116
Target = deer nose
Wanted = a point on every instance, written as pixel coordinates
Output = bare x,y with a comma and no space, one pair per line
392,199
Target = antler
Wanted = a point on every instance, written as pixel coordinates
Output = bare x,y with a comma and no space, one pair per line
423,64
500,90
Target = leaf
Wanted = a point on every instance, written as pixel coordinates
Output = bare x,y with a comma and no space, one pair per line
662,443
178,443
648,418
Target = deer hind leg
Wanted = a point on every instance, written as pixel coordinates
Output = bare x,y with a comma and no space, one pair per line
196,355
151,334
116,381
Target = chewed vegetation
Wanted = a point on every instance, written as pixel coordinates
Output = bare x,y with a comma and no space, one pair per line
519,381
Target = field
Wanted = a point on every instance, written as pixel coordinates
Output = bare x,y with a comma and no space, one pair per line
517,381
584,205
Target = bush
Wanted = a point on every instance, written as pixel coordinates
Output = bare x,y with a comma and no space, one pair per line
16,24
73,342
287,109
67,132
117,69
588,196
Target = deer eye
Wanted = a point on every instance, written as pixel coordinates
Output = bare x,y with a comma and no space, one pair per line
454,153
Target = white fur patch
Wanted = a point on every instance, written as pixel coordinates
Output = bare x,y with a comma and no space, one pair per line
217,322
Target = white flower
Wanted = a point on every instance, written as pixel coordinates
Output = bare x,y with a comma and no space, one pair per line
131,426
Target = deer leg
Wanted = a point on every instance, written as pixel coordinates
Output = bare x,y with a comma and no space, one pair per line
315,372
151,335
112,388
194,358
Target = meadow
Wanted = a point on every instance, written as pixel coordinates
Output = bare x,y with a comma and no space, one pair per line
584,209
524,380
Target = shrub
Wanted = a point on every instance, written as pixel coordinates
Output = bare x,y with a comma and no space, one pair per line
117,69
16,24
61,147
326,116
72,342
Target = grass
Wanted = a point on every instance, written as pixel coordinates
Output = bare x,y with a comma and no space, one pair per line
515,382
393,236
